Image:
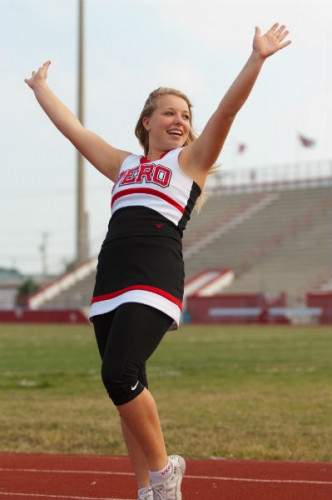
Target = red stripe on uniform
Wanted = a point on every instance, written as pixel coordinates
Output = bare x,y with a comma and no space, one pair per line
154,192
146,288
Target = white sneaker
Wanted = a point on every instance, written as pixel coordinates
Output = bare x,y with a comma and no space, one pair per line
148,495
170,489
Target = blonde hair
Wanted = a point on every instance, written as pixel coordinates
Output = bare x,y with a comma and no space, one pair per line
149,107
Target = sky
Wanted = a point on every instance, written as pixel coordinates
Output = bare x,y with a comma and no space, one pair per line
133,47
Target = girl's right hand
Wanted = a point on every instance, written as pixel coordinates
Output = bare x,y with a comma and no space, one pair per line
39,77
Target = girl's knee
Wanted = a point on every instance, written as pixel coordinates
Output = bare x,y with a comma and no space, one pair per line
121,386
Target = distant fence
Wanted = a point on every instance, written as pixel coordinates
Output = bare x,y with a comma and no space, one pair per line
255,309
316,173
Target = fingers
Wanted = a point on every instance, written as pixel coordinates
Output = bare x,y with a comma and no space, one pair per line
285,44
279,31
44,67
274,27
41,73
42,70
283,35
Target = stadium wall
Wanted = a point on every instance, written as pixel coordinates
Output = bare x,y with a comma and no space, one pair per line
71,316
257,309
323,300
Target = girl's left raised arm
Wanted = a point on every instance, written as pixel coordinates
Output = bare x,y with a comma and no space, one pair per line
204,151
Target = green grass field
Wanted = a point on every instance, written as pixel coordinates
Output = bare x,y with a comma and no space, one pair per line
235,392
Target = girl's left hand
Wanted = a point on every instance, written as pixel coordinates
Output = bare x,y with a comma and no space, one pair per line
272,41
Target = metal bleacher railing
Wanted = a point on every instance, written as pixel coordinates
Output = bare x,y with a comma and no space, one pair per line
273,177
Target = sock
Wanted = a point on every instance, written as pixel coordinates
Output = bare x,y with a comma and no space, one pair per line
159,476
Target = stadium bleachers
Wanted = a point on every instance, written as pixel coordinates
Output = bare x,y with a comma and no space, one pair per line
77,296
274,240
283,247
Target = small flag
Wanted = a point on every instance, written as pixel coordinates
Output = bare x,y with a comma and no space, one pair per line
241,147
306,142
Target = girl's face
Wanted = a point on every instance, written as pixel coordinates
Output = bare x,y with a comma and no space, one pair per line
169,125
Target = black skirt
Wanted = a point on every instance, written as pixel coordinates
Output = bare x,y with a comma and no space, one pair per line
140,261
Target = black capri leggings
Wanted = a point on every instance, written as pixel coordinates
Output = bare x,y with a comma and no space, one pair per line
126,338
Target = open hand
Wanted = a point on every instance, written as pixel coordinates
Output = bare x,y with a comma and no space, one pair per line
272,41
38,77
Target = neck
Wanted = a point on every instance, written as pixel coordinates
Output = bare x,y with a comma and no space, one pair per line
155,154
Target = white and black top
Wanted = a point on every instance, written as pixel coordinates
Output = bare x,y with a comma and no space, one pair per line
141,256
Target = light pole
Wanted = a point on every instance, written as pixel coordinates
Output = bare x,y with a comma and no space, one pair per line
43,254
82,238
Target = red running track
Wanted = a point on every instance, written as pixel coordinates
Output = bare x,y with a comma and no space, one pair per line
90,477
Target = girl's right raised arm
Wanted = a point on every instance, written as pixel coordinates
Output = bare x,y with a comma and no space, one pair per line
98,152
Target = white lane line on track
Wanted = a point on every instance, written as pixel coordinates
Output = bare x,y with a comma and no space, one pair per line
68,471
34,495
256,480
187,476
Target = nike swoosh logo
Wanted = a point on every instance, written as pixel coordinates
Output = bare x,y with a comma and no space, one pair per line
133,387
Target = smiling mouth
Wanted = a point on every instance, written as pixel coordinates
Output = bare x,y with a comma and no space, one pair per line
175,133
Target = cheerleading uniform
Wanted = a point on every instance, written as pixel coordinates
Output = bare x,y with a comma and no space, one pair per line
141,257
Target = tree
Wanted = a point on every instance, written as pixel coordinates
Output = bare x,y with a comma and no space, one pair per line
25,290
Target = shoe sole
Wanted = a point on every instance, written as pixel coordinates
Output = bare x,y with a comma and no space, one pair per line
179,462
